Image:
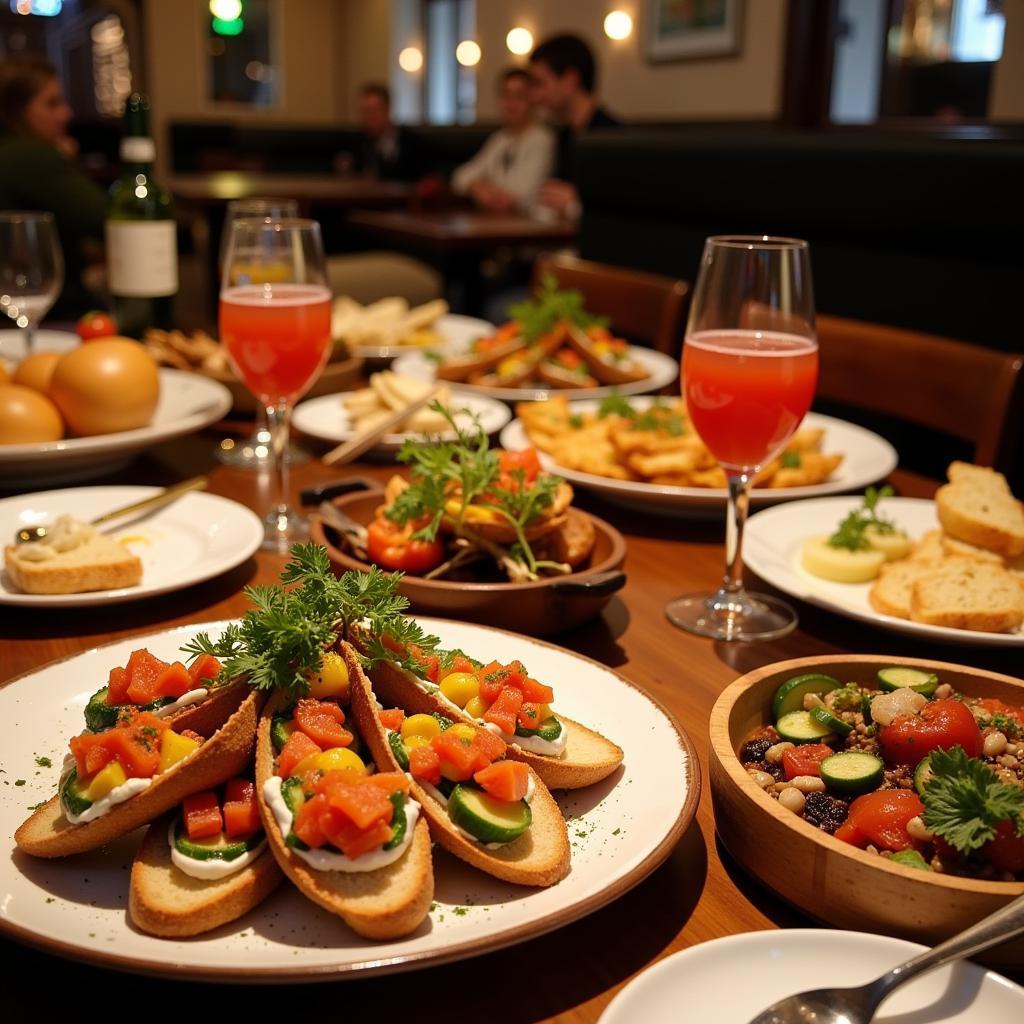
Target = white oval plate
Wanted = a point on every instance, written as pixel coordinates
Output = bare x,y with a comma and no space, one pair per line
326,417
455,330
661,369
620,830
731,980
867,458
774,539
188,402
195,538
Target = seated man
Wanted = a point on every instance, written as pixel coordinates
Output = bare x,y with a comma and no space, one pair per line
387,151
507,173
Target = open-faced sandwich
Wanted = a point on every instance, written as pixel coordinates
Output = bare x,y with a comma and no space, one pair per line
484,353
608,358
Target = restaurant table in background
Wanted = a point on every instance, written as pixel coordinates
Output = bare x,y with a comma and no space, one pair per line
569,975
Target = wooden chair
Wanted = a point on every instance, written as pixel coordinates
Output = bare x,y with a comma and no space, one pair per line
972,393
646,308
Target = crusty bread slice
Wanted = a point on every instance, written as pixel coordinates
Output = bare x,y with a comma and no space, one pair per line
589,756
224,754
978,507
540,857
891,592
101,563
383,904
960,548
977,596
928,548
164,901
210,714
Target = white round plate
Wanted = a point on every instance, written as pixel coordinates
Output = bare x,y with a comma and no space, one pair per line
327,418
620,830
774,539
188,402
194,538
867,458
731,980
661,369
455,331
12,343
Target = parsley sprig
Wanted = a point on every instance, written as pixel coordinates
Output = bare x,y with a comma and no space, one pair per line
539,315
850,534
965,800
658,416
281,641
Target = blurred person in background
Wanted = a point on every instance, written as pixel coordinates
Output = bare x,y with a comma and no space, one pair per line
387,151
507,174
564,75
38,171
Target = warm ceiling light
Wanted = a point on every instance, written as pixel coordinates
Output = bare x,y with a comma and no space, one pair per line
226,10
467,53
519,41
618,25
410,59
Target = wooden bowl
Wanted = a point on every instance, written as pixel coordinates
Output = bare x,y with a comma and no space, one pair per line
548,606
822,876
336,377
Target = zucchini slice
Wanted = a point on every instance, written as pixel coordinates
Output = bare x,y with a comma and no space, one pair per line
487,819
217,847
281,727
790,695
800,727
900,677
823,716
923,774
398,749
852,771
550,729
99,715
72,795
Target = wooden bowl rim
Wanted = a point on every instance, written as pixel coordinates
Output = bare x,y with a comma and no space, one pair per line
721,748
615,558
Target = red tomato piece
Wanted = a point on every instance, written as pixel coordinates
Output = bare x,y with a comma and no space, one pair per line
994,706
388,782
205,667
430,664
512,464
504,780
805,759
459,663
136,745
117,687
881,818
425,764
143,671
322,722
202,815
306,823
491,747
361,804
96,324
298,747
529,715
391,547
503,711
1006,851
392,718
91,753
536,692
173,681
493,678
942,724
240,790
348,837
460,756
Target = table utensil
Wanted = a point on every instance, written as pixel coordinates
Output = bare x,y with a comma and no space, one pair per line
31,269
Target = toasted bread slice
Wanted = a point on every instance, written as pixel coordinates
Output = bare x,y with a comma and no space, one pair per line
928,548
461,368
606,372
210,714
978,507
589,757
224,754
558,377
101,563
960,548
383,904
164,901
540,857
977,596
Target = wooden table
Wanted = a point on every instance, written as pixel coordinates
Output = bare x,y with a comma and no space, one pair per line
698,894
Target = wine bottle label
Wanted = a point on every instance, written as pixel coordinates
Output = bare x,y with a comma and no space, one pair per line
137,149
142,258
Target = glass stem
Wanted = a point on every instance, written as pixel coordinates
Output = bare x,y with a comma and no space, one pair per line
30,339
278,423
736,519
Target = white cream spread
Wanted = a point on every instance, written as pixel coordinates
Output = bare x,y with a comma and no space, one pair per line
188,698
331,860
214,867
118,795
66,534
536,745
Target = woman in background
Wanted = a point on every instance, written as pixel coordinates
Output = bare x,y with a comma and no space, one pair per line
38,172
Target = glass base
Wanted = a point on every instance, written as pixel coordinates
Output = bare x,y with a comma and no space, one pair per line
740,616
253,453
283,529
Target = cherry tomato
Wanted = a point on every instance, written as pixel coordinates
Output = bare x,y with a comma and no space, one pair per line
881,818
805,759
526,460
994,706
1006,851
942,724
391,547
96,324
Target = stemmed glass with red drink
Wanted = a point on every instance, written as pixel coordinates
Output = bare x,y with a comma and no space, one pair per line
750,366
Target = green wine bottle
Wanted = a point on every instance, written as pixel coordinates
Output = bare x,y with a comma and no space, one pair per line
142,244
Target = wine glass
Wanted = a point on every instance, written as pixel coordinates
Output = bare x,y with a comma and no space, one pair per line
275,325
254,452
750,366
31,268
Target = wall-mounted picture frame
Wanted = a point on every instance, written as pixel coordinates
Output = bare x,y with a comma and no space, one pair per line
693,29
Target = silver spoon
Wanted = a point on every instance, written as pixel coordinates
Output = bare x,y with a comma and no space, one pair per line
858,1005
197,483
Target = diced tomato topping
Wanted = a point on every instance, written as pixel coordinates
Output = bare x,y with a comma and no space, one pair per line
91,753
241,815
805,759
459,663
202,815
942,724
493,678
393,547
360,803
881,818
392,718
529,715
536,692
205,667
136,746
143,671
388,782
322,722
425,764
430,664
512,465
460,756
348,837
306,824
994,706
504,709
298,747
173,681
492,747
1006,851
504,780
117,686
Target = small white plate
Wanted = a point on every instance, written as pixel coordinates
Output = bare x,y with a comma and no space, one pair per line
731,980
12,343
196,537
661,370
454,330
867,458
774,540
327,418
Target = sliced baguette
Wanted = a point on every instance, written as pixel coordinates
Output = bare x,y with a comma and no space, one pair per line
606,372
210,714
977,596
101,563
383,904
540,857
891,592
977,507
164,901
47,833
929,548
589,756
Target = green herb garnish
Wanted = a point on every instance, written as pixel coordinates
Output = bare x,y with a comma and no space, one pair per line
616,405
576,421
44,762
550,304
660,417
850,534
790,460
1007,725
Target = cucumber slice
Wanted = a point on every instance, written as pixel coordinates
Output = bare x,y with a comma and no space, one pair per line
790,695
825,717
899,677
399,822
923,774
852,771
281,727
72,795
550,729
487,819
100,715
398,749
799,727
910,859
217,847
292,794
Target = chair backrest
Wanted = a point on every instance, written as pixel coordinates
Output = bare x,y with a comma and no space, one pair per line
969,392
647,308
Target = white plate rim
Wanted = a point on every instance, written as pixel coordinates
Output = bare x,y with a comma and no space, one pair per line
463,322
405,962
248,546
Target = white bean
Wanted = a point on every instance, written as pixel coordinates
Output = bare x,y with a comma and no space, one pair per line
943,691
792,799
917,830
807,784
994,745
773,755
812,700
763,779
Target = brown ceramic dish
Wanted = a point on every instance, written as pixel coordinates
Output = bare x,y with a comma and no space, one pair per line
537,609
824,877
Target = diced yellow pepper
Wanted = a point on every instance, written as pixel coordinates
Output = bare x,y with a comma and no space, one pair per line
476,707
420,725
335,759
104,781
460,687
463,731
543,712
332,679
416,741
174,748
